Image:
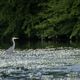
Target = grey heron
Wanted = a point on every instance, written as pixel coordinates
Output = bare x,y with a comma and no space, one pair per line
11,49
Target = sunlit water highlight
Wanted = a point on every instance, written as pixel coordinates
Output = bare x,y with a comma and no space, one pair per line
41,64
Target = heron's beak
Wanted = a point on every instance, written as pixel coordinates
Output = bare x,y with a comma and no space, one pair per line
16,38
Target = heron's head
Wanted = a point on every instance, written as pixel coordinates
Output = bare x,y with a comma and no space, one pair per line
14,38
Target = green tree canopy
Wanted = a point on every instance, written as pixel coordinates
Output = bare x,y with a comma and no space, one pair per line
40,18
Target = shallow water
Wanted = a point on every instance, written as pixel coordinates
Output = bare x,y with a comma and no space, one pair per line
61,63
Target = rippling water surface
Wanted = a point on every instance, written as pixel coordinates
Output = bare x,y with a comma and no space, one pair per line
41,64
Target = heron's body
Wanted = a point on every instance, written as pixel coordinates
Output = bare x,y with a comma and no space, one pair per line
11,49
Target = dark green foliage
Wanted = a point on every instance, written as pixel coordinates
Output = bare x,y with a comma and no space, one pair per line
40,18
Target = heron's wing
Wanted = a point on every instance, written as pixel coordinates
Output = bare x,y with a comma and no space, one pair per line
9,51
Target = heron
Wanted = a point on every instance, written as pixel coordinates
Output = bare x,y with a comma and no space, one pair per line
11,49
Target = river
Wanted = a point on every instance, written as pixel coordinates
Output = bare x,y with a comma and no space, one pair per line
49,63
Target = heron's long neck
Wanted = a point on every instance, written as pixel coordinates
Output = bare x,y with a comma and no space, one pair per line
13,43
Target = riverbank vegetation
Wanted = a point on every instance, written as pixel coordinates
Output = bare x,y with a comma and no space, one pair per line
40,19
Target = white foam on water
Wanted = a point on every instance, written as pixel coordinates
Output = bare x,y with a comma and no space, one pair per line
40,57
38,62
